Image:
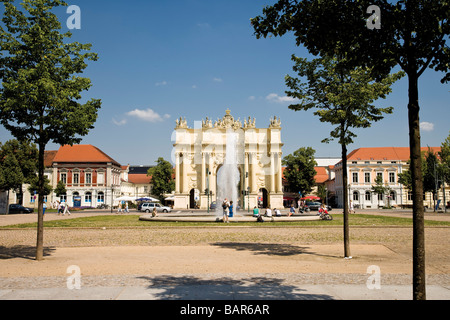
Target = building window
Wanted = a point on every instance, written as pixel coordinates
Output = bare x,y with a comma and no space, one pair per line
380,197
355,177
391,177
64,178
88,197
101,197
88,178
63,197
410,196
76,178
380,174
393,196
100,178
368,196
367,177
355,196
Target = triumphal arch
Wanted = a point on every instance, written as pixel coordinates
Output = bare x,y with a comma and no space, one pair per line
251,154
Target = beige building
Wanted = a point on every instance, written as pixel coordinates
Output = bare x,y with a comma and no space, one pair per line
254,155
365,164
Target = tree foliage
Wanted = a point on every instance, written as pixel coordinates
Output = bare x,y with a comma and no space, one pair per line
162,178
299,172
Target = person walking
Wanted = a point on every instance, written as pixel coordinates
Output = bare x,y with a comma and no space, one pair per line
119,207
45,207
66,209
126,207
154,213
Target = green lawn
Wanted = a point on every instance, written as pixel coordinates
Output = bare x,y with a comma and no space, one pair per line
121,221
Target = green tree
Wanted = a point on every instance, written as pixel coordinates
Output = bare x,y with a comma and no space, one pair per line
299,172
34,186
60,188
444,155
344,98
26,154
11,177
322,193
431,181
41,84
412,36
380,188
162,178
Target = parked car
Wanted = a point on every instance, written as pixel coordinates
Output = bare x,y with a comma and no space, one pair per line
315,206
17,208
148,207
213,205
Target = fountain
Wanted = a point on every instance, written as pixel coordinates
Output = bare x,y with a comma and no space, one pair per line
228,176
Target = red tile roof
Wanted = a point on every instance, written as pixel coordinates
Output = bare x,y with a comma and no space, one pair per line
48,158
82,154
139,178
321,175
384,153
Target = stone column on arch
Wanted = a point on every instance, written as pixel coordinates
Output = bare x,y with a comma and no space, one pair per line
177,173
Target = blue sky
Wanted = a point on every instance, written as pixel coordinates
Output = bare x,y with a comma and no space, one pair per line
159,60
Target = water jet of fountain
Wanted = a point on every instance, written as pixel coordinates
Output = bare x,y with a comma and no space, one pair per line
228,176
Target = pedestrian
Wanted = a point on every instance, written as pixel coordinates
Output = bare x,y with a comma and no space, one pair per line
45,207
255,212
231,209
154,213
119,207
225,207
352,210
291,210
126,207
59,208
66,209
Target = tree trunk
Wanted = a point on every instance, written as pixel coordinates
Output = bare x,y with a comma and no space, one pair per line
419,288
345,195
40,227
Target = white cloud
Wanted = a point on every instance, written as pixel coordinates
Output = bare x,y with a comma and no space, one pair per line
119,123
194,86
217,80
251,98
162,83
273,97
148,115
426,126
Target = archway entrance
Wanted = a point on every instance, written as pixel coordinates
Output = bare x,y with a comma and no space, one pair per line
194,197
263,198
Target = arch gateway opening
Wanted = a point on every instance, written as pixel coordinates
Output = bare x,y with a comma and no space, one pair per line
249,160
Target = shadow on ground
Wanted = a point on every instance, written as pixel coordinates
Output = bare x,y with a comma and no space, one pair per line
271,249
170,287
25,252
